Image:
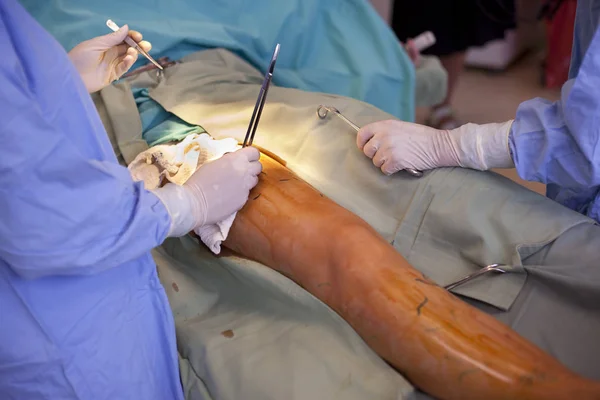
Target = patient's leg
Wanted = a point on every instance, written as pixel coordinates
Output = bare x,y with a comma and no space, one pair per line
444,346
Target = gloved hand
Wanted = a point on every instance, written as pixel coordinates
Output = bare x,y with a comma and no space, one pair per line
215,191
397,145
103,59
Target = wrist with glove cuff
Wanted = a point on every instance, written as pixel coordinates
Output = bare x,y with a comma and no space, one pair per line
482,147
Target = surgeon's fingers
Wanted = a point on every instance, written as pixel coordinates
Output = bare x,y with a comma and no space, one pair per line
371,147
135,35
251,153
379,158
374,129
250,181
130,57
122,49
147,46
390,167
364,135
125,63
255,168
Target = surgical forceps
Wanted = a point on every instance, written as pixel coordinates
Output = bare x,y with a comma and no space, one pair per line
114,27
322,112
260,102
501,268
165,62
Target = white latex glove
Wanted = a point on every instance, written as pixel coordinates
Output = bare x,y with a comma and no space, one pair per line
397,145
214,192
103,59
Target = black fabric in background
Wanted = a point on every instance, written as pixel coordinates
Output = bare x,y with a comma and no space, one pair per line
456,24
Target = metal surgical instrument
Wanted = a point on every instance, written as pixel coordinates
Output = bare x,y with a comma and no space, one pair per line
114,27
260,102
322,112
500,268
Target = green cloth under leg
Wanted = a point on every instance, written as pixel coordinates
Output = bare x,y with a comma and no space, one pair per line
158,125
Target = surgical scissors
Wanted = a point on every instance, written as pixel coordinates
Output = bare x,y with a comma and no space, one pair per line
322,112
260,102
114,27
501,268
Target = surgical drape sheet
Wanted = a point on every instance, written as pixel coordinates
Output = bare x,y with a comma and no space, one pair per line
82,312
334,46
246,331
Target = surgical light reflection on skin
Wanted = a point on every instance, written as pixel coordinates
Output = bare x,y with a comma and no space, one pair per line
452,349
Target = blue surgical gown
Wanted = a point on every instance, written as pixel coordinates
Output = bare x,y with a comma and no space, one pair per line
82,312
558,143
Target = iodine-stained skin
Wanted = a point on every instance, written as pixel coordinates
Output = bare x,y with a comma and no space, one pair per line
442,345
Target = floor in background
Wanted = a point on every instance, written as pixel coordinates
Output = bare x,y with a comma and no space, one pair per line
484,96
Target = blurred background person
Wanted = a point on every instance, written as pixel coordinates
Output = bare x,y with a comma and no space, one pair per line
457,26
